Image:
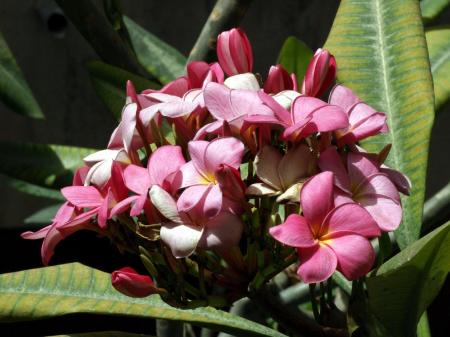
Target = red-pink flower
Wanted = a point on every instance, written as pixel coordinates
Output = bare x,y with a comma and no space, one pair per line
234,52
200,175
362,182
279,80
200,73
327,237
320,74
127,281
189,228
363,119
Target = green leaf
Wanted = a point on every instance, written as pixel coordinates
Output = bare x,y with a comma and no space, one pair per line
403,287
74,288
49,166
110,84
160,59
31,189
295,56
438,40
381,54
14,90
432,8
104,334
44,216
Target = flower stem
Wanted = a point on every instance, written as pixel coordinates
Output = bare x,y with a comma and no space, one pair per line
312,286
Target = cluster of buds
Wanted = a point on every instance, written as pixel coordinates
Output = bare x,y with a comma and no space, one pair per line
218,183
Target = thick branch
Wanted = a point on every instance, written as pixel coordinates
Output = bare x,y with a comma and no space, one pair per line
96,29
225,15
294,321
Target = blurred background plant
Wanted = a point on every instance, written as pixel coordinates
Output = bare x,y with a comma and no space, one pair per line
63,68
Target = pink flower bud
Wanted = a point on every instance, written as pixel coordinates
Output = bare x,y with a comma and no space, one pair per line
234,52
279,80
320,74
130,283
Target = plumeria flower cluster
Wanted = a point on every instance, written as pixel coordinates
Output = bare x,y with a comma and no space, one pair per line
219,175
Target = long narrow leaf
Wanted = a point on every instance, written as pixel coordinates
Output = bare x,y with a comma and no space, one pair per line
74,288
14,90
159,58
49,166
110,84
438,40
382,55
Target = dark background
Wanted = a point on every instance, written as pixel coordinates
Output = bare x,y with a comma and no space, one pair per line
54,69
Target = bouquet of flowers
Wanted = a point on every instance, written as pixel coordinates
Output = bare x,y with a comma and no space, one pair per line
223,179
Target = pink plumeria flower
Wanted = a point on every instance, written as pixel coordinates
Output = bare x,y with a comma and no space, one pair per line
307,115
162,169
320,74
127,281
199,176
230,107
363,119
187,230
328,238
362,182
282,176
234,52
279,80
100,165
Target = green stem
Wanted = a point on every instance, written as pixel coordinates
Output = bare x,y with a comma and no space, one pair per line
436,209
225,15
312,296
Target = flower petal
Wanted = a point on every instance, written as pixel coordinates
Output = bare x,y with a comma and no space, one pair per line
354,253
221,151
163,162
350,218
82,196
197,150
330,160
294,232
266,164
386,212
181,238
360,168
317,263
165,204
316,198
136,179
378,184
261,189
222,232
343,97
294,165
190,175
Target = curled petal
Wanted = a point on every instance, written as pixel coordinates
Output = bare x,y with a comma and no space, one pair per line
165,204
260,189
360,168
400,180
246,81
181,238
266,164
378,184
317,263
295,165
278,80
